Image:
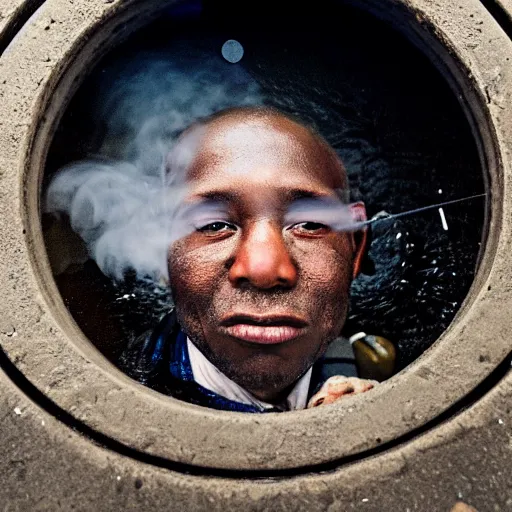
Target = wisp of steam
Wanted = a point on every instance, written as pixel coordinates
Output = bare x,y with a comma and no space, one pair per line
123,201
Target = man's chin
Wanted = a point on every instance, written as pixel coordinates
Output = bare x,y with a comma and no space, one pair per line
261,372
267,381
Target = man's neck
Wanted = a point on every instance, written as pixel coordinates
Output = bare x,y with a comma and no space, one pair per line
210,377
272,397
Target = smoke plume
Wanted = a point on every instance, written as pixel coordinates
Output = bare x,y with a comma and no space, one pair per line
124,200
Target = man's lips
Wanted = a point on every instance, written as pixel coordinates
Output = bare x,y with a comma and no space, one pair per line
265,330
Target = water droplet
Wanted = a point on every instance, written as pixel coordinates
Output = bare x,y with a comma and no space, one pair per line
232,51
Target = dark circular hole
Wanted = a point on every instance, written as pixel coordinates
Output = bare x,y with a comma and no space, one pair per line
377,100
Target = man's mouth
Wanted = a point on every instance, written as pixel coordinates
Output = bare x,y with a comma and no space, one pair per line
264,330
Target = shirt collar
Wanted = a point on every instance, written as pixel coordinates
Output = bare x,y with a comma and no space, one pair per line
210,377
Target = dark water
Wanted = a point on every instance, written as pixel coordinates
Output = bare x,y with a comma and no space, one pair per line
382,106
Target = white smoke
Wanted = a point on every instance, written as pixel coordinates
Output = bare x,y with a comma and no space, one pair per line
123,202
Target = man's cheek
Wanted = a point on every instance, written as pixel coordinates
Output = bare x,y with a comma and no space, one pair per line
327,285
191,291
190,286
329,271
189,272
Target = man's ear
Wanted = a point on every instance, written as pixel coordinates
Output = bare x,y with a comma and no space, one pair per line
358,212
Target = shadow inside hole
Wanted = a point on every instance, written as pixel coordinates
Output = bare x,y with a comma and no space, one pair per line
377,100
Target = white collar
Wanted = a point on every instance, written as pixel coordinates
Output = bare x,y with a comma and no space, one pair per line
208,376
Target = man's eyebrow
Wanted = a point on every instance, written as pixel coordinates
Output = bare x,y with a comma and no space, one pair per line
290,196
219,196
297,195
342,195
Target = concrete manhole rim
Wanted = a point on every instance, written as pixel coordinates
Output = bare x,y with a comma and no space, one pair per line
50,350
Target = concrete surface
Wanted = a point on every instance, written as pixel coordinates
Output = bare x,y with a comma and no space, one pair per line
48,466
77,434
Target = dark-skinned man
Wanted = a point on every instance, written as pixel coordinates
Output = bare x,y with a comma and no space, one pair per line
258,301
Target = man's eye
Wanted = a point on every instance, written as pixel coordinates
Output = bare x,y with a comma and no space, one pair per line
310,227
217,227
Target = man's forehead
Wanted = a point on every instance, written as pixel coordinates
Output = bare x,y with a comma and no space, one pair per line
260,151
284,196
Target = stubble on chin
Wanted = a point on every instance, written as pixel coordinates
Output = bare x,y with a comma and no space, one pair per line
256,374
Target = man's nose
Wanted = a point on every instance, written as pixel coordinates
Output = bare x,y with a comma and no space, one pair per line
262,259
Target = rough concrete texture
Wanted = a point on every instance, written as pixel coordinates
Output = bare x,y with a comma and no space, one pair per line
40,73
51,467
506,6
47,466
12,13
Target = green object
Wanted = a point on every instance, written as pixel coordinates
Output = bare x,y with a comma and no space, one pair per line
375,356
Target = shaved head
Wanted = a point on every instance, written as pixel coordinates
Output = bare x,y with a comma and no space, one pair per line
274,128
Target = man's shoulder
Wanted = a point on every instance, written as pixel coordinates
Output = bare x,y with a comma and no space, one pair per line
145,356
132,360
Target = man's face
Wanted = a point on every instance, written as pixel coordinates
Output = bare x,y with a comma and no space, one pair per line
261,299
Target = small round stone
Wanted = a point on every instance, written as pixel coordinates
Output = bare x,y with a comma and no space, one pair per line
232,51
